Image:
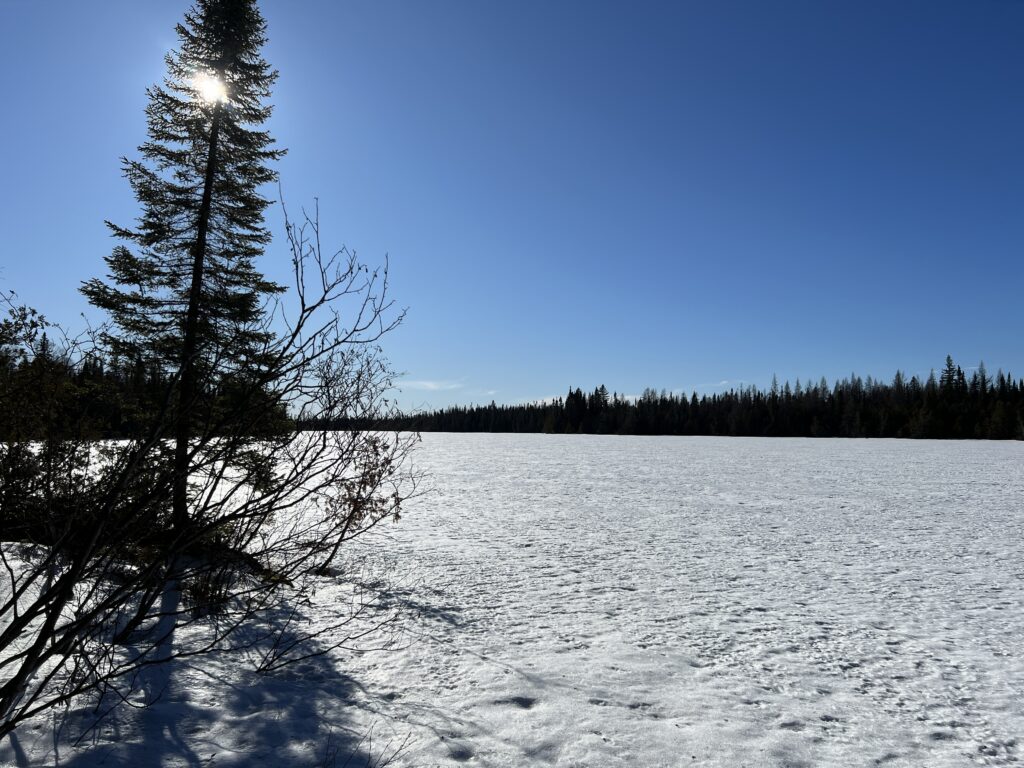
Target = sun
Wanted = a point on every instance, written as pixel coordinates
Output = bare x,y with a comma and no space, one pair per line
210,88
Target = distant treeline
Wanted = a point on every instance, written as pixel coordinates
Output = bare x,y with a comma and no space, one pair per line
112,399
52,394
951,405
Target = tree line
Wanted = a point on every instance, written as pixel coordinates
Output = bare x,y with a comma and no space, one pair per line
951,405
89,395
116,398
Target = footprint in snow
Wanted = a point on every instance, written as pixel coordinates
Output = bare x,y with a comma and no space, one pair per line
523,702
460,752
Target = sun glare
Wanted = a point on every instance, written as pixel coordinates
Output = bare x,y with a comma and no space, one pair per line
210,89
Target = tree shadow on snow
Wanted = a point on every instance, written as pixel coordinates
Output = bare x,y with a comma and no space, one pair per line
213,710
404,601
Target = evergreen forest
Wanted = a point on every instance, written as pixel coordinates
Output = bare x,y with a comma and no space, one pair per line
55,394
115,399
951,405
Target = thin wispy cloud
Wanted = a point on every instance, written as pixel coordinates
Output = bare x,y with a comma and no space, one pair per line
429,385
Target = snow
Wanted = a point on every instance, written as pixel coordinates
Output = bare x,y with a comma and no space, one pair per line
631,601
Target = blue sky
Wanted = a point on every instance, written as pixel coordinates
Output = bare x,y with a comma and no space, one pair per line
664,194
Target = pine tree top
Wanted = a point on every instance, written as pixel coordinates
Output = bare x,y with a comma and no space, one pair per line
191,136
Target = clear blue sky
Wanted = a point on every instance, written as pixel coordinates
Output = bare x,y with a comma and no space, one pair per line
671,194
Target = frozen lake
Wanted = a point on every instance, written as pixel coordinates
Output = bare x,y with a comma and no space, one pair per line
635,601
632,601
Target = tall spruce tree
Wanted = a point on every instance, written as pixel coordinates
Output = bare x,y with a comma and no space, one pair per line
183,292
110,547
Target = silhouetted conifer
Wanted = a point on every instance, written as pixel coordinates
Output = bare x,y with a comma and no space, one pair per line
183,291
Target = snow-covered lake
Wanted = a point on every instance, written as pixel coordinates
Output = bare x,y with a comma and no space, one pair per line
630,601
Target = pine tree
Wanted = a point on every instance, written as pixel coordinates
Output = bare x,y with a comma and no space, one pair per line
188,299
948,380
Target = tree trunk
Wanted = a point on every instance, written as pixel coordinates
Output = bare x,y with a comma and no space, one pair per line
187,383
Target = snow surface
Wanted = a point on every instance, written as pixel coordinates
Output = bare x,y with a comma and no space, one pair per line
630,601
